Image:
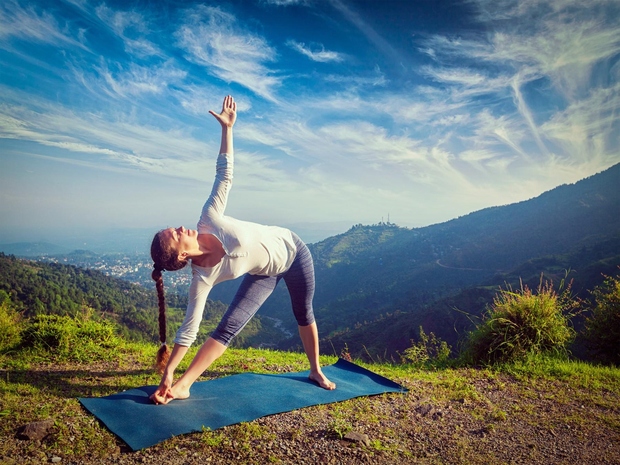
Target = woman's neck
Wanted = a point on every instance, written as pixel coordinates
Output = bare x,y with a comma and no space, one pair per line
212,251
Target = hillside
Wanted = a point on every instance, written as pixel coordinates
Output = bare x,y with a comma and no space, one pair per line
51,288
450,318
372,271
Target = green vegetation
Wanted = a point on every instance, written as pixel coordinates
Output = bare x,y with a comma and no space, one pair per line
428,350
10,324
523,322
78,339
37,288
603,326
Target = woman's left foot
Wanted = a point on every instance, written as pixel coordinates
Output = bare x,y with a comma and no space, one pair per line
319,378
179,392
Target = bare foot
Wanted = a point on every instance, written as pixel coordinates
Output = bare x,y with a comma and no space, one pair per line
179,392
319,378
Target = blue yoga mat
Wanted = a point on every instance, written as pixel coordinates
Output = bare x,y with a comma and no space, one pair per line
225,401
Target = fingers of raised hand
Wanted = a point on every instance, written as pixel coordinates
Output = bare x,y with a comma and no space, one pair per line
229,103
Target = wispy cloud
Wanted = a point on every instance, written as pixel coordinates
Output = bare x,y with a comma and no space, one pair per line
131,27
286,2
533,47
321,55
374,79
137,79
26,23
589,129
212,38
367,30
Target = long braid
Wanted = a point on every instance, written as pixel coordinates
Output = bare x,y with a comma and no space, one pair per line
164,352
164,258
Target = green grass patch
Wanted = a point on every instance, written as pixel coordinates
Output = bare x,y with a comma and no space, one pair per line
523,322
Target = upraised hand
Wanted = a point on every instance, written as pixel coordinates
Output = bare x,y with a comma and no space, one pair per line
228,116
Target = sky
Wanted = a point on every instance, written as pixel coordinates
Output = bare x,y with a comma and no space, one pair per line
349,111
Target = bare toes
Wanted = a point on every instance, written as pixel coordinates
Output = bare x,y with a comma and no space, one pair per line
322,381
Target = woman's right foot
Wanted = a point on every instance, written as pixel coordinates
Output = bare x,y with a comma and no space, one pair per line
319,378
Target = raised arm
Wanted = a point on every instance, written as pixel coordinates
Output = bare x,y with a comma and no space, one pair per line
227,118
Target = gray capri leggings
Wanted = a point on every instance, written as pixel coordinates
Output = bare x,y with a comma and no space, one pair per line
254,290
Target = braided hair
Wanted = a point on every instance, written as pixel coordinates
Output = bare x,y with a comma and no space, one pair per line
164,258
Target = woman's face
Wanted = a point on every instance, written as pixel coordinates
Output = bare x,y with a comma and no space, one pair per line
180,239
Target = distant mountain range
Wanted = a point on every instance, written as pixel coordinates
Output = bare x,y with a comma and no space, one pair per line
32,249
436,275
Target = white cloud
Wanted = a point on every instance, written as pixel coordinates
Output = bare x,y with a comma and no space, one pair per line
131,27
28,24
321,56
589,129
286,2
138,80
212,38
561,39
467,82
551,59
368,31
126,145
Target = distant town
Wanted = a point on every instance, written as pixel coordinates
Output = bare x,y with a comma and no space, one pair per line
135,268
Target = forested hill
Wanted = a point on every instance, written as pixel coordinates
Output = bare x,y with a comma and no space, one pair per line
371,271
49,288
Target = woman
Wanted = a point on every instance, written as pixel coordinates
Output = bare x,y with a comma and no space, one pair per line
224,248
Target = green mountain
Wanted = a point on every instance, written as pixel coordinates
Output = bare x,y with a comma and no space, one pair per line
420,275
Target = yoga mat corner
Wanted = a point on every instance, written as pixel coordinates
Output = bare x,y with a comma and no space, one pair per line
140,423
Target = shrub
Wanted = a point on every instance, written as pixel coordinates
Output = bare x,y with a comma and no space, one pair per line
10,324
429,349
69,338
520,323
603,326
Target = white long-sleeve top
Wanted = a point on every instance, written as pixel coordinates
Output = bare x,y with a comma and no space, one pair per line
250,248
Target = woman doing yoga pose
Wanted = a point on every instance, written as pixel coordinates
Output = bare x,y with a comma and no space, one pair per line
224,248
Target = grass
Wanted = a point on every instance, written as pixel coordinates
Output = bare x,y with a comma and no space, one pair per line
523,322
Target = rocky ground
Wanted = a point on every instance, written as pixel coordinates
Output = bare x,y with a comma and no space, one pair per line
475,417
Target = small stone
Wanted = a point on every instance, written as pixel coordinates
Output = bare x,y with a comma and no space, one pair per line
357,437
36,430
424,409
56,459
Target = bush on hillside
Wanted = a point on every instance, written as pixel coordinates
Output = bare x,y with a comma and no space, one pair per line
428,350
77,339
603,326
10,323
522,322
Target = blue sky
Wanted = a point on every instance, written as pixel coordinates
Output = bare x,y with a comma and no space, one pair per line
349,111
